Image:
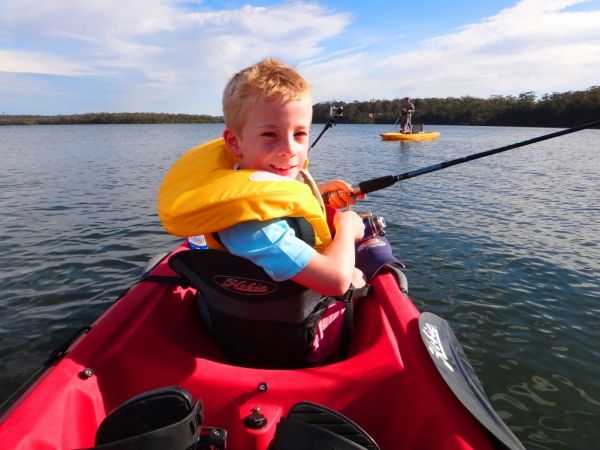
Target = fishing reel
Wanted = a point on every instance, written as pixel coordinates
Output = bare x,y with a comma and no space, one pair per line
374,225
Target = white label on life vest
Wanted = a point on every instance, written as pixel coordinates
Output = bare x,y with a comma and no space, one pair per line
198,242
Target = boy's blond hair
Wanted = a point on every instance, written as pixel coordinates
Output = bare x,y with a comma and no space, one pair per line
268,79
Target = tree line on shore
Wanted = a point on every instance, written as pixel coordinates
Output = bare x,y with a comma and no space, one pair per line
551,110
564,109
107,118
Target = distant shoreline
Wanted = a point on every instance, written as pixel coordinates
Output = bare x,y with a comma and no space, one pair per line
564,109
108,118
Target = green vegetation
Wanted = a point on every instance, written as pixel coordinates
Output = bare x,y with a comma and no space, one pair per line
552,110
105,118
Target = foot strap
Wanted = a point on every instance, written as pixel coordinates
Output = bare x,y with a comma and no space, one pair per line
164,418
310,426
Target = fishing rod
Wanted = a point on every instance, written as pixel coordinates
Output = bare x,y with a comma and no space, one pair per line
396,123
376,184
334,112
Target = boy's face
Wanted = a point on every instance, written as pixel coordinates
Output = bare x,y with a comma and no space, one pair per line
274,137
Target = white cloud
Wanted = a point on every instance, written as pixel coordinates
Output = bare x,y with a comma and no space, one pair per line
537,45
20,61
164,55
170,50
123,28
88,17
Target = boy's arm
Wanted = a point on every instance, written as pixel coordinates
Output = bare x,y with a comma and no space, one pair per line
282,255
331,272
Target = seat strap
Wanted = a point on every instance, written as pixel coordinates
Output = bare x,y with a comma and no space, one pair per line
175,281
348,324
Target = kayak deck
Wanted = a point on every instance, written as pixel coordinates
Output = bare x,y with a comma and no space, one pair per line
421,136
152,337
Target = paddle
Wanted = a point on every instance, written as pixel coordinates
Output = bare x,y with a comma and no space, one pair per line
453,365
376,184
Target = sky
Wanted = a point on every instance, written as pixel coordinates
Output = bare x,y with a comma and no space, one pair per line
175,56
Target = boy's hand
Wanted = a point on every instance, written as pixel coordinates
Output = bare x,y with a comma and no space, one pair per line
339,192
350,222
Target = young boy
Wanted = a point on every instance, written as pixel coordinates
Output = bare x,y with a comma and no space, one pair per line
268,113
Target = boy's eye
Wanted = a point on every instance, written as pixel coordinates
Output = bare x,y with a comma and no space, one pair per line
268,134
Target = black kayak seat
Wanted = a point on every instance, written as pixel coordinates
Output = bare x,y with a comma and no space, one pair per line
256,321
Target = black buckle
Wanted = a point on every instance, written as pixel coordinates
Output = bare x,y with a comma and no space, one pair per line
353,293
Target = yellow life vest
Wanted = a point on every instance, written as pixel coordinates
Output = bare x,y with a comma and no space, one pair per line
203,194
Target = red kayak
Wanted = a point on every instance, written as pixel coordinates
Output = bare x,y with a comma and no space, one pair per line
404,385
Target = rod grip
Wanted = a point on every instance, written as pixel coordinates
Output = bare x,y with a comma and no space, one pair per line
364,187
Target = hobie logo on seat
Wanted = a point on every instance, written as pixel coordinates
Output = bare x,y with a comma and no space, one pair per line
246,286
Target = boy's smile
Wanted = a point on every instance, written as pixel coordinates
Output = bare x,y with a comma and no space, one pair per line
274,137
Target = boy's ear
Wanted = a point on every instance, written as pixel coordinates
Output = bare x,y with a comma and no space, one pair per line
231,141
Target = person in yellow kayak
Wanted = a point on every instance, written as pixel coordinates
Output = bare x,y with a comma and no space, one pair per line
407,108
248,192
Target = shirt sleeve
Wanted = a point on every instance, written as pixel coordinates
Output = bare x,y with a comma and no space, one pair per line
272,245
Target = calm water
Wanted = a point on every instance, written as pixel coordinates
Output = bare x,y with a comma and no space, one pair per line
506,248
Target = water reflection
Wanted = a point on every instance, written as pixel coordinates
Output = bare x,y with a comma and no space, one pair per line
506,248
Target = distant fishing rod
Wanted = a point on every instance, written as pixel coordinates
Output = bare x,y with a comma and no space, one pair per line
376,184
334,113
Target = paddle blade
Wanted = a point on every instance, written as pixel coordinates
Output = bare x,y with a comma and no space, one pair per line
454,367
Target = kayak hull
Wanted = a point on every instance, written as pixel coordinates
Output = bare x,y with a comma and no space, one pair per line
422,136
151,337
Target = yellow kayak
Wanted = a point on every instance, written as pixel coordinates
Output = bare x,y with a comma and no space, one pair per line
422,136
